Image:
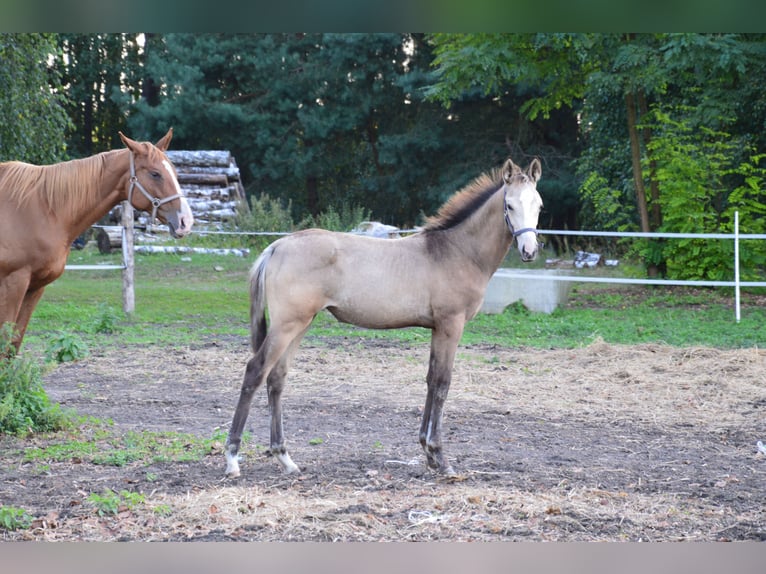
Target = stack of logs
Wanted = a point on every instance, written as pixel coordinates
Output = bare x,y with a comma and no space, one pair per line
211,182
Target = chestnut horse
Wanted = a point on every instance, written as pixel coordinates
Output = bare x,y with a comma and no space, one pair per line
435,279
44,208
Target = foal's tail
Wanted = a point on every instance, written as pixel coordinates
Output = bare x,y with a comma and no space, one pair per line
258,324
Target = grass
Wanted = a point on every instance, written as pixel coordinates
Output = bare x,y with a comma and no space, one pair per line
101,446
183,300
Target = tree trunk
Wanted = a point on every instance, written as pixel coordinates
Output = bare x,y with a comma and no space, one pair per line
638,179
654,188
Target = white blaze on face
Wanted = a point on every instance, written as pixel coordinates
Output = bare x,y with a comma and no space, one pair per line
184,215
172,174
524,215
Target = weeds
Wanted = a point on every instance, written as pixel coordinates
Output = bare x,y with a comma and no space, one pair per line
111,502
12,518
66,347
24,404
107,321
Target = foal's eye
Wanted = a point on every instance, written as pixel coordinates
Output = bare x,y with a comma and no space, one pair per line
155,174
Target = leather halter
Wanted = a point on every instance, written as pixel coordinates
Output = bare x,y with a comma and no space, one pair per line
155,201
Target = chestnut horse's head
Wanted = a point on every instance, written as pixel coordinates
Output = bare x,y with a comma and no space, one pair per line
522,205
152,174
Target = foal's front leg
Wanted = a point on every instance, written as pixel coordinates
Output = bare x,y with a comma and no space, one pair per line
443,347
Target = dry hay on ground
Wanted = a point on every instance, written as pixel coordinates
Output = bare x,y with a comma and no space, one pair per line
604,442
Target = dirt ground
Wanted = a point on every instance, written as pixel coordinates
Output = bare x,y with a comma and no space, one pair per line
605,442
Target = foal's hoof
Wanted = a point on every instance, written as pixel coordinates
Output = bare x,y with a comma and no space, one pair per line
232,465
449,472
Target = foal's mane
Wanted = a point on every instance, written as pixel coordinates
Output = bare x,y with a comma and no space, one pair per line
63,186
465,202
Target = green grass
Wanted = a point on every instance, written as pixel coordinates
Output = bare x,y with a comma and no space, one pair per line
183,300
101,446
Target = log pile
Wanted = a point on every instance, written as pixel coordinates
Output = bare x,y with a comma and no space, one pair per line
211,181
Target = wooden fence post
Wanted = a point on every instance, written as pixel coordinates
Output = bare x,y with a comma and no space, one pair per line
128,289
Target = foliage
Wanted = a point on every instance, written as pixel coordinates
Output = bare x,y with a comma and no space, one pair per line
343,219
610,79
102,75
265,214
557,65
602,204
65,347
322,120
32,117
12,518
705,176
24,405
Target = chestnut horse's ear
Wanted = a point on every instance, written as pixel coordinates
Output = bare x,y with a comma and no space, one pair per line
164,143
129,143
535,170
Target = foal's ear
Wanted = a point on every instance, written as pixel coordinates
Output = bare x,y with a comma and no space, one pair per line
535,170
509,170
163,144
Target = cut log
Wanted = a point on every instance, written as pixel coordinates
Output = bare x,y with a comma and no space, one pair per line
203,179
109,238
217,158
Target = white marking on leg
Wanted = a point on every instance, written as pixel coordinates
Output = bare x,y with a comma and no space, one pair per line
232,465
287,463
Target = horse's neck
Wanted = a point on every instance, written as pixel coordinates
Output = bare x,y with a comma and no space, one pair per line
108,191
485,238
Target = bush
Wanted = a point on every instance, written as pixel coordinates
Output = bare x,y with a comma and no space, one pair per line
345,219
24,405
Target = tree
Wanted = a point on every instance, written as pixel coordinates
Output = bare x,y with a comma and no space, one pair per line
32,116
615,80
325,121
101,73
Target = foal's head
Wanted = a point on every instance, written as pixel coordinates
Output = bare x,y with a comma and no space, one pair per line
522,205
154,185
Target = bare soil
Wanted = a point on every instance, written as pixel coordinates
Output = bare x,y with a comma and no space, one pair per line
605,442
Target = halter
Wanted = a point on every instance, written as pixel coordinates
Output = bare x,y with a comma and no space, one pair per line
516,232
155,201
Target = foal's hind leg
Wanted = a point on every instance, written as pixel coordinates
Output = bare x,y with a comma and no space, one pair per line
253,379
258,369
274,385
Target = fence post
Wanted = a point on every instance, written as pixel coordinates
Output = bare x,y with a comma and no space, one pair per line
736,265
128,290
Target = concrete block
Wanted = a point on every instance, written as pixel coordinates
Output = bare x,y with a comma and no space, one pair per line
536,293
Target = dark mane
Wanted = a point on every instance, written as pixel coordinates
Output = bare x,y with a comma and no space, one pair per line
465,202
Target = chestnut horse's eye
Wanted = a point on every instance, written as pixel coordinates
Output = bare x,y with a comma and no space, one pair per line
155,175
